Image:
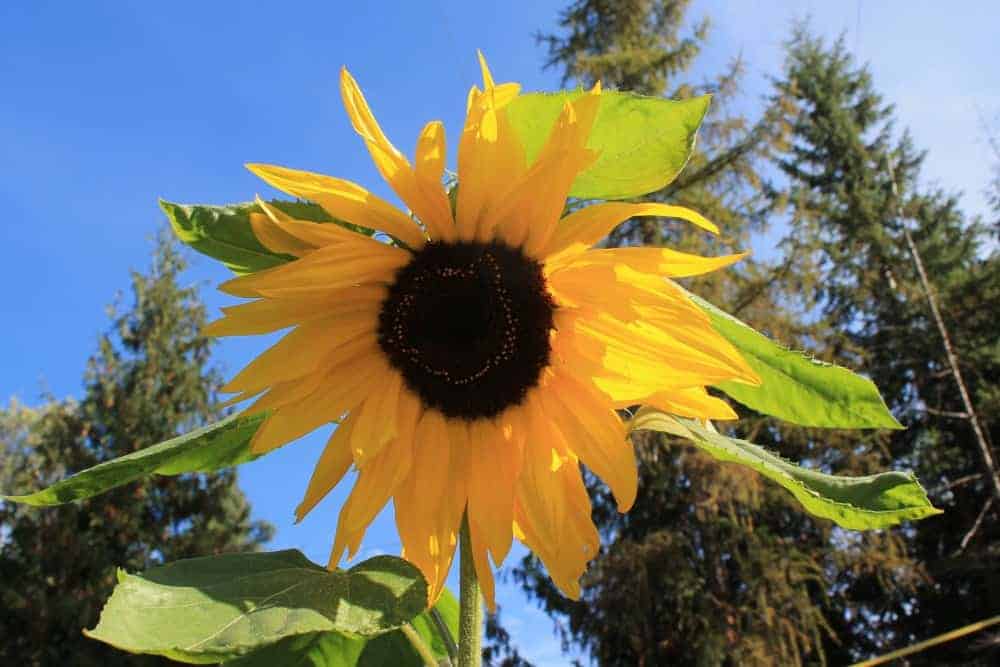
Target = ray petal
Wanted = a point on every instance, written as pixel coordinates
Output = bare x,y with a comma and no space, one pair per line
333,464
587,226
344,200
424,195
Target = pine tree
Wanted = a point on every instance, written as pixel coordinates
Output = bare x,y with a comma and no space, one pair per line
713,565
873,309
149,380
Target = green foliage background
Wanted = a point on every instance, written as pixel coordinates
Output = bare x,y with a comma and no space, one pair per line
149,380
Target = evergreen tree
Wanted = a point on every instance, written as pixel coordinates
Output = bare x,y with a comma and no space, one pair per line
993,189
712,565
148,381
873,308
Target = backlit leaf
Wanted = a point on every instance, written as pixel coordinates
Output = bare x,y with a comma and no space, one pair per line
796,387
858,503
220,445
332,649
643,142
221,607
224,232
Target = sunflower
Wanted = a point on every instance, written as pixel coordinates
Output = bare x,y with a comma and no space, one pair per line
476,360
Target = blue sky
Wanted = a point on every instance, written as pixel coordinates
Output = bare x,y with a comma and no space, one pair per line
105,106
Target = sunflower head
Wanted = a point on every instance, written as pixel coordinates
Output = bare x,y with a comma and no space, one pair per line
477,360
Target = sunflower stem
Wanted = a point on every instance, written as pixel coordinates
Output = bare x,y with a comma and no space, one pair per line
470,610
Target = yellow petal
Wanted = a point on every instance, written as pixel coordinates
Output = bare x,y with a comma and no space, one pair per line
425,196
267,315
333,464
329,268
375,485
375,424
589,225
494,462
343,200
429,502
304,350
431,151
432,456
569,136
275,239
552,511
657,261
490,155
487,76
351,383
595,433
429,170
529,209
481,562
632,361
692,402
663,359
317,234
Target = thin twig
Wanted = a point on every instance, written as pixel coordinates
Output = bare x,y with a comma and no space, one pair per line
958,482
975,526
946,413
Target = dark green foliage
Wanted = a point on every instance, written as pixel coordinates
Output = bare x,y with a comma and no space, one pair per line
713,565
872,307
148,381
632,45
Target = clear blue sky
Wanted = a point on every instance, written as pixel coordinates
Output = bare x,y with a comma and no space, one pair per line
105,106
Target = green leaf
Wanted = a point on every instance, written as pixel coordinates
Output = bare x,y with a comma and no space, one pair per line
220,445
447,609
795,387
644,142
224,232
857,503
220,607
332,649
318,649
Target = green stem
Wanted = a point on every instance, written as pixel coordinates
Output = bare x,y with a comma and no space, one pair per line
470,610
445,634
419,646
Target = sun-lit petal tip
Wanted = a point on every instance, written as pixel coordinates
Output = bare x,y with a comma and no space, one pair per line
362,119
488,83
477,361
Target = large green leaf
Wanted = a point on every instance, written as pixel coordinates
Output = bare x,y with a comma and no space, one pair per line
220,607
331,649
317,649
858,503
644,142
224,232
795,387
220,445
